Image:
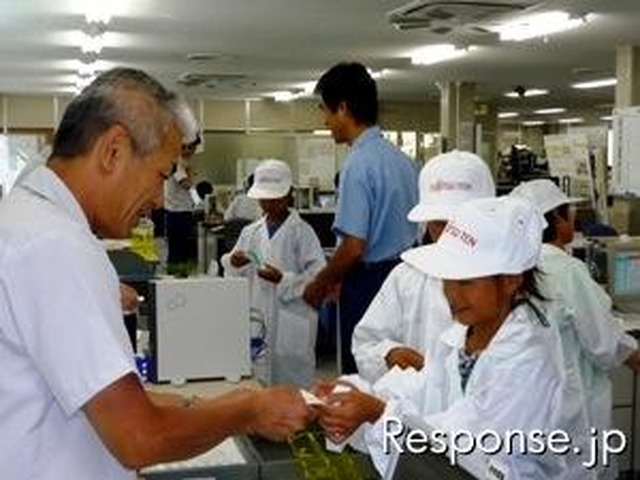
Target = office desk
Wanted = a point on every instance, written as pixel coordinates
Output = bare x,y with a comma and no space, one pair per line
256,458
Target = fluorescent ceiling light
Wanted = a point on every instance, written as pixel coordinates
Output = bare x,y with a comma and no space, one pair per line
283,96
82,82
604,82
607,118
322,132
87,69
533,92
549,111
436,54
91,44
97,11
508,114
538,25
569,121
532,123
307,87
378,74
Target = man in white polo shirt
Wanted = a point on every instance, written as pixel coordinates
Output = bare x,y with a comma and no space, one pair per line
71,404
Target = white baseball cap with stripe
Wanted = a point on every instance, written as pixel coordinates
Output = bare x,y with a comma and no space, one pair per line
447,181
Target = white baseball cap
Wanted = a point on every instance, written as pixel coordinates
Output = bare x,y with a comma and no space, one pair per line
447,181
271,179
544,193
485,237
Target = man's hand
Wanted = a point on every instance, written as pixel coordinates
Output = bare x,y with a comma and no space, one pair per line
129,299
315,293
633,362
344,412
239,259
270,273
279,413
404,357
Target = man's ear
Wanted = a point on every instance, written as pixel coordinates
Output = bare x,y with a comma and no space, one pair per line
112,148
343,109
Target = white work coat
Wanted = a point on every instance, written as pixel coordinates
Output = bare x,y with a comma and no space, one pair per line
295,250
593,340
409,310
517,383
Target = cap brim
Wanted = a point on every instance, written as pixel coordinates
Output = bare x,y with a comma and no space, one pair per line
564,201
258,193
427,213
441,262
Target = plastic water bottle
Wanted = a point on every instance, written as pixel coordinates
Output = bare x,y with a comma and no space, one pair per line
142,241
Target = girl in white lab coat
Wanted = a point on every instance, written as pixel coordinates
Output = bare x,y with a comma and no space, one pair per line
406,317
494,368
280,253
593,340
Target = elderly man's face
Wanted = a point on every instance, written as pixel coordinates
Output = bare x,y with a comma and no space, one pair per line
139,186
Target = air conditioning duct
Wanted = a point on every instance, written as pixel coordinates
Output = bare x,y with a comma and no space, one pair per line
442,17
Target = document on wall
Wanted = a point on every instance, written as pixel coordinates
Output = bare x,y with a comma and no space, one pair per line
316,161
568,157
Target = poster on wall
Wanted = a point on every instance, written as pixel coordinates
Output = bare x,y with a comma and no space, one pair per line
568,157
316,161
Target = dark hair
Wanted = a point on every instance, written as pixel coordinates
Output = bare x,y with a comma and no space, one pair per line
204,188
530,287
350,83
123,96
249,181
551,232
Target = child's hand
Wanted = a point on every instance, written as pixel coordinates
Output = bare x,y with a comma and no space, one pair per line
270,273
404,357
344,412
324,387
239,259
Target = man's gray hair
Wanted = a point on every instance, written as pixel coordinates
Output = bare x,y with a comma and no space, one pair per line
121,96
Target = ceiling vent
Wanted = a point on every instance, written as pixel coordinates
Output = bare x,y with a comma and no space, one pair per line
194,79
442,17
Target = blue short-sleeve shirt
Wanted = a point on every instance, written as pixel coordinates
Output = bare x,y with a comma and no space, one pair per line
378,187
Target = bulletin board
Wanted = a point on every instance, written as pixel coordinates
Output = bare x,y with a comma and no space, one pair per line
568,157
626,151
316,161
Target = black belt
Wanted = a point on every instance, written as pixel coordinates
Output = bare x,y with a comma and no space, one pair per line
381,265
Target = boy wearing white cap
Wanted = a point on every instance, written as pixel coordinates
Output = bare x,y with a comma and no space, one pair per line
494,368
593,339
410,311
280,253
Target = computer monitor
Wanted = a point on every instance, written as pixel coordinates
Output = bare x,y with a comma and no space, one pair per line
325,200
623,272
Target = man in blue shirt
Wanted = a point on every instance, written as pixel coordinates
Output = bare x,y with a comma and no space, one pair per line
378,187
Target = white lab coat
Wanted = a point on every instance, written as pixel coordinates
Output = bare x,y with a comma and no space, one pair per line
296,251
593,340
517,384
409,310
